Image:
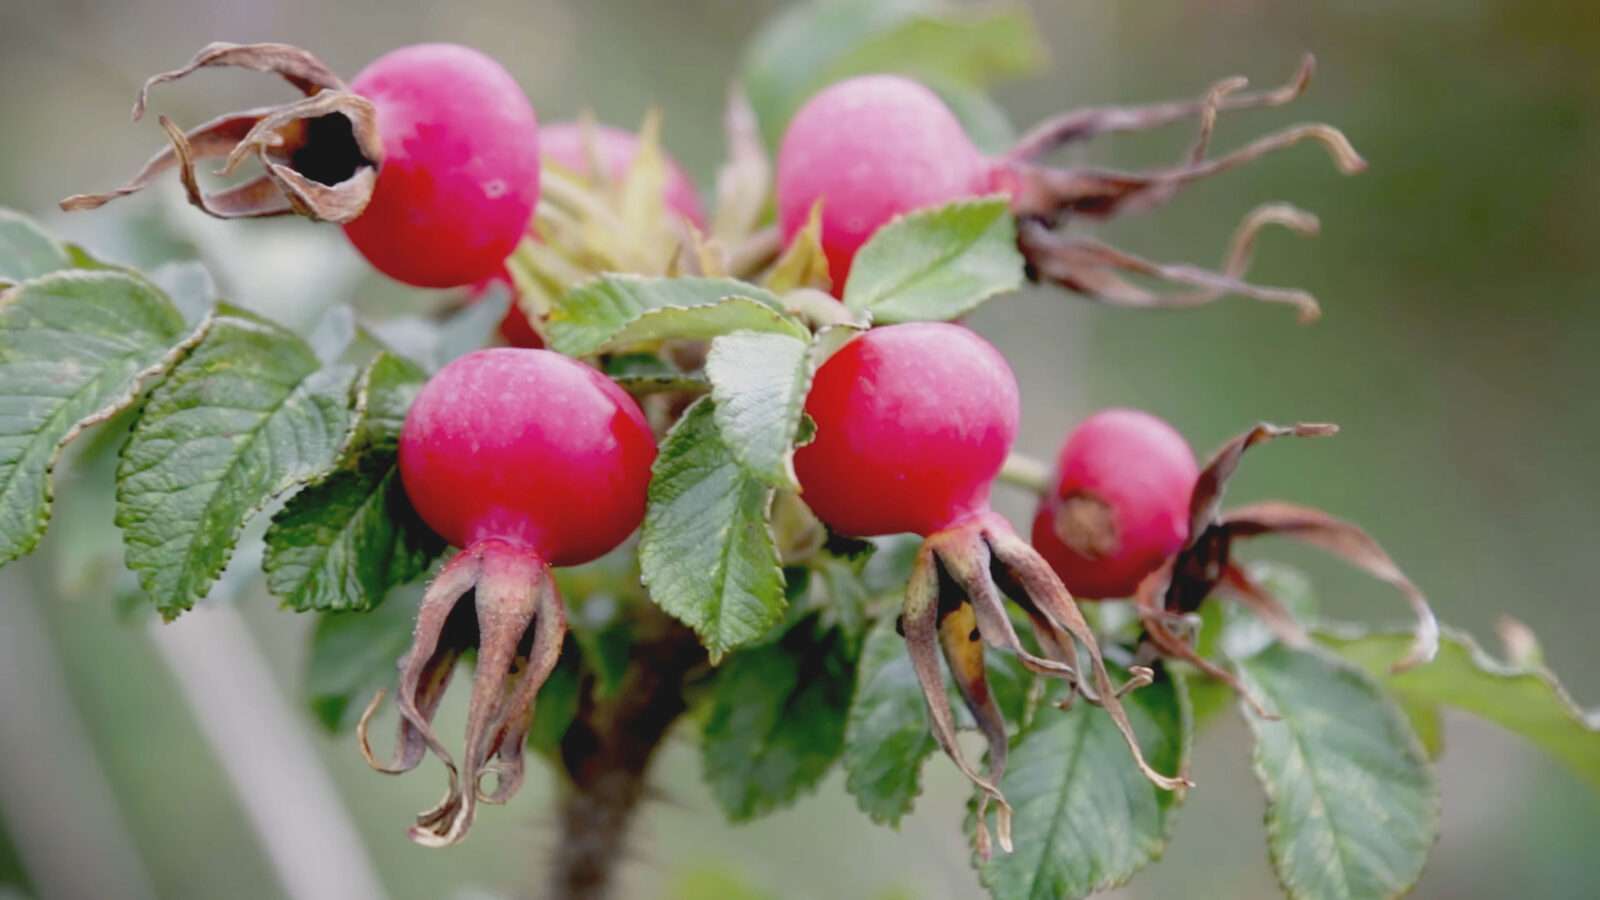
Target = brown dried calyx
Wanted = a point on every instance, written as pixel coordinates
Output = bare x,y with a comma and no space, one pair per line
1087,525
494,598
320,155
1206,565
1046,199
955,603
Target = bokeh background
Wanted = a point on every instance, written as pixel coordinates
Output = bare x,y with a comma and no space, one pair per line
1459,277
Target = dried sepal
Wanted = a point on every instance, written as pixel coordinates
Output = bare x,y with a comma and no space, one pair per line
1155,617
1205,501
920,622
1266,607
1082,124
1091,268
312,165
296,66
745,180
1042,589
516,621
1046,199
1348,542
212,140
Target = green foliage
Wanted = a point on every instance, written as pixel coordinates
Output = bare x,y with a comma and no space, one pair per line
707,552
344,541
887,737
1524,699
618,311
556,706
1085,818
758,386
777,720
956,49
353,657
246,415
28,251
1352,805
242,414
75,348
937,264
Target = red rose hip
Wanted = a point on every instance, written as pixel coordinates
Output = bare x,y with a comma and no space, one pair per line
1119,506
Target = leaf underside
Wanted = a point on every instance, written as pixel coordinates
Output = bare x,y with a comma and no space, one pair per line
1352,805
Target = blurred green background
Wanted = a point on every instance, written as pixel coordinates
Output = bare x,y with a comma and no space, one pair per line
1459,278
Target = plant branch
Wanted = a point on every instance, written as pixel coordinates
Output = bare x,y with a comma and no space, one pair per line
606,754
1026,472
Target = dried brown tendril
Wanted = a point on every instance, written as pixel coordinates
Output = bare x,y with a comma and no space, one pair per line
1205,566
1047,199
493,597
319,155
955,604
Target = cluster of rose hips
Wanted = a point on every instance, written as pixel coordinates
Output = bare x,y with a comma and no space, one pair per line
526,459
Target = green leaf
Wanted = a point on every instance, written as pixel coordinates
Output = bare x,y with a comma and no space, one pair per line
1084,818
1243,634
75,348
471,328
1352,806
777,721
707,552
189,285
352,657
984,120
27,250
243,418
556,706
814,44
759,383
388,386
887,735
1525,700
345,541
962,45
936,264
845,594
605,312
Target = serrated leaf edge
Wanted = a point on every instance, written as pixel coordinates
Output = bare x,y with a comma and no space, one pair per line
145,573
1413,745
998,200
135,387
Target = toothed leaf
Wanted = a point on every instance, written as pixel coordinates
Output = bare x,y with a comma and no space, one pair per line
707,552
345,541
1352,805
28,251
352,658
1084,818
887,733
606,312
1525,700
777,721
759,382
75,348
244,417
936,264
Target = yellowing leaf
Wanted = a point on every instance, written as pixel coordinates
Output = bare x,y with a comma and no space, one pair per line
803,264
